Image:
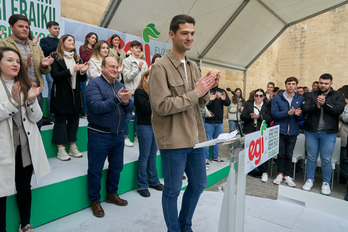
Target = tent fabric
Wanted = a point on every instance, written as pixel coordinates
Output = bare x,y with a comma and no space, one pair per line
229,33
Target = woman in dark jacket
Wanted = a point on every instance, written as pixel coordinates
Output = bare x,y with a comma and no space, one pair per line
254,112
147,145
67,71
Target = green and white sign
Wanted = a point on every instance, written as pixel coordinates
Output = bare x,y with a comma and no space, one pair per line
39,12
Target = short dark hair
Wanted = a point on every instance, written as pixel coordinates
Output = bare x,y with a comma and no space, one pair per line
315,82
154,57
300,87
291,79
326,76
103,61
135,43
51,24
271,83
15,17
179,19
276,89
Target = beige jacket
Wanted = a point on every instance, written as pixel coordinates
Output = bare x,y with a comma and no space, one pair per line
30,115
176,117
38,56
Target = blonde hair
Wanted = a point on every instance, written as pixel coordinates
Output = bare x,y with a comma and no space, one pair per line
97,47
142,84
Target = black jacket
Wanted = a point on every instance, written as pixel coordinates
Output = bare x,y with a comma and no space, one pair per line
217,107
142,107
333,107
63,99
248,126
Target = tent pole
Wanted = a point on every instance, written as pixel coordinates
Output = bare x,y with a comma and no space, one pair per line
245,83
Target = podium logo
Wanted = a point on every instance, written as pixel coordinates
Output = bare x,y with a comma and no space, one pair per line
257,147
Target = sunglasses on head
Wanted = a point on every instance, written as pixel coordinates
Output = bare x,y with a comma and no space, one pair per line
258,95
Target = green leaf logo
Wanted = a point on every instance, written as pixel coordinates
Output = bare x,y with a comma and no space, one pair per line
150,31
263,127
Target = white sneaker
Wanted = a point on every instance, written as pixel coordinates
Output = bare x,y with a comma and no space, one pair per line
325,188
264,177
128,143
62,155
308,185
74,152
288,180
278,179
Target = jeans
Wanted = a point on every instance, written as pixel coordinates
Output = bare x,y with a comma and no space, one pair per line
22,180
286,149
343,166
100,146
49,81
83,91
322,142
147,157
232,125
175,162
213,130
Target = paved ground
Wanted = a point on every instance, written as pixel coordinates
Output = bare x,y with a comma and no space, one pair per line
269,190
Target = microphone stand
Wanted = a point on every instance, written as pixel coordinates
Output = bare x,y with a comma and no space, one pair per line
238,120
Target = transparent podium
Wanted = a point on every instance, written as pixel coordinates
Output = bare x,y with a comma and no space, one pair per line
233,205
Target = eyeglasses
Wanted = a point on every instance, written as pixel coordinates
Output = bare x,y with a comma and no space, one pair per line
257,95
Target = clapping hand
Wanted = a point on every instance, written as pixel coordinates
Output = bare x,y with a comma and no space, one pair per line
124,95
34,92
47,61
36,39
298,112
84,67
121,67
29,61
291,111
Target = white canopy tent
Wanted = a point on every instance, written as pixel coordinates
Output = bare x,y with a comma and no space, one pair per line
230,34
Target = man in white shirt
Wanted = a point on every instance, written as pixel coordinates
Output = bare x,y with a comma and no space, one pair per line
134,67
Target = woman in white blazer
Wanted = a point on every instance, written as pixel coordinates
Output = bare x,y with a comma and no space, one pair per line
21,151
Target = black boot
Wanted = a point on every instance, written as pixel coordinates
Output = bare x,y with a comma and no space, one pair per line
346,197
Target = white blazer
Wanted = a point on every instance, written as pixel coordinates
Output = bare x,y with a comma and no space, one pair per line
30,115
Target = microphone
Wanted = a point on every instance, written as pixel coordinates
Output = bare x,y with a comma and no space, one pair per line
234,93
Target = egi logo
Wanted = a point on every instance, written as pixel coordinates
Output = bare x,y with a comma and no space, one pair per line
257,147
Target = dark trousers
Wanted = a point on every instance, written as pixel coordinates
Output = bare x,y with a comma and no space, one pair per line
23,187
286,149
263,167
100,147
65,128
